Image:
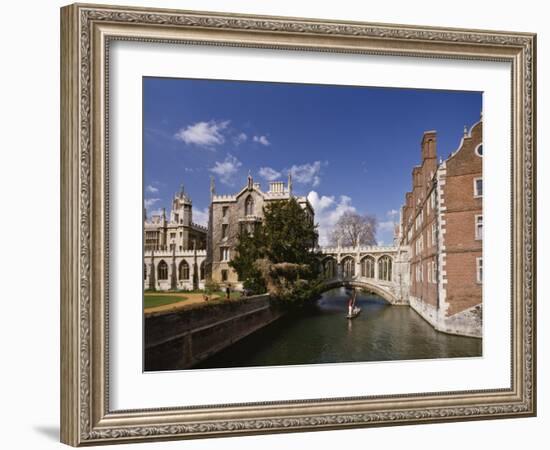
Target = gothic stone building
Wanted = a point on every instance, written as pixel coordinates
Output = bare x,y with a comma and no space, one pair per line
442,227
231,213
175,249
179,233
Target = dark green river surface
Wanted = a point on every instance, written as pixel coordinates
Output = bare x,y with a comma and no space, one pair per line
323,335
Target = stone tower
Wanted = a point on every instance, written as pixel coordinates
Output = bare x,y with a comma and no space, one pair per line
182,209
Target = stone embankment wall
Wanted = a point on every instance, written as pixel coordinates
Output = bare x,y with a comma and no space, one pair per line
181,339
465,323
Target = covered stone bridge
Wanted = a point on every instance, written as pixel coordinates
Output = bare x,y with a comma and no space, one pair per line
381,270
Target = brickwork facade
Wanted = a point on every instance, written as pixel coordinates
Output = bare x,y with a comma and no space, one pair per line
442,228
464,224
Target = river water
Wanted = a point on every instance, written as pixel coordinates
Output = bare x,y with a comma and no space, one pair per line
323,335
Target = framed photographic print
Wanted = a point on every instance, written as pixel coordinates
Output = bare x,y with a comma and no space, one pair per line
274,224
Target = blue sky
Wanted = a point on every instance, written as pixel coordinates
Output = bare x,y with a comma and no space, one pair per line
349,148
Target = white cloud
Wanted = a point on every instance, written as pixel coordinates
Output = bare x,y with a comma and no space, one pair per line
388,225
307,173
269,174
240,138
386,228
392,213
226,169
150,202
200,216
319,203
327,212
261,140
152,189
203,134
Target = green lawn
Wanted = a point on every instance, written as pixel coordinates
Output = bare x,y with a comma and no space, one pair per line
158,300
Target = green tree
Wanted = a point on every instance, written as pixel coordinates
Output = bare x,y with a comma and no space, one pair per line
286,236
289,233
249,249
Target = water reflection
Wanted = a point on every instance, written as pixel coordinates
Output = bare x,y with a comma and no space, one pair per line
323,335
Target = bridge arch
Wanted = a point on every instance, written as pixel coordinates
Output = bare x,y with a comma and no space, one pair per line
369,267
364,285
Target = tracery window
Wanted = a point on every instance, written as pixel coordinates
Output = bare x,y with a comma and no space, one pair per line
367,267
329,268
162,270
249,206
348,267
183,270
384,268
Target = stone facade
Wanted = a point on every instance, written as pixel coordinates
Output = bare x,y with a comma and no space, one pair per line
179,233
229,214
165,270
442,228
174,250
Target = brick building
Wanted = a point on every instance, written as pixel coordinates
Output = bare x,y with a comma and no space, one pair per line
231,213
442,228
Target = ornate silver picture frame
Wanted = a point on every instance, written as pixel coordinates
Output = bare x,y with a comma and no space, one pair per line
87,33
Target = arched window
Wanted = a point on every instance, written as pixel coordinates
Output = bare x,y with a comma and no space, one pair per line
183,270
249,206
202,274
384,268
348,267
162,270
329,268
367,267
144,271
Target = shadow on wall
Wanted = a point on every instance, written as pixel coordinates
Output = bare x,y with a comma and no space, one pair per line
49,431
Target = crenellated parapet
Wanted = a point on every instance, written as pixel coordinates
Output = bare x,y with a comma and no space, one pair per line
199,227
223,198
165,252
166,269
357,249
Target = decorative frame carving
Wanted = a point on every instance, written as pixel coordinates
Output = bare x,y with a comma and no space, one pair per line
86,31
